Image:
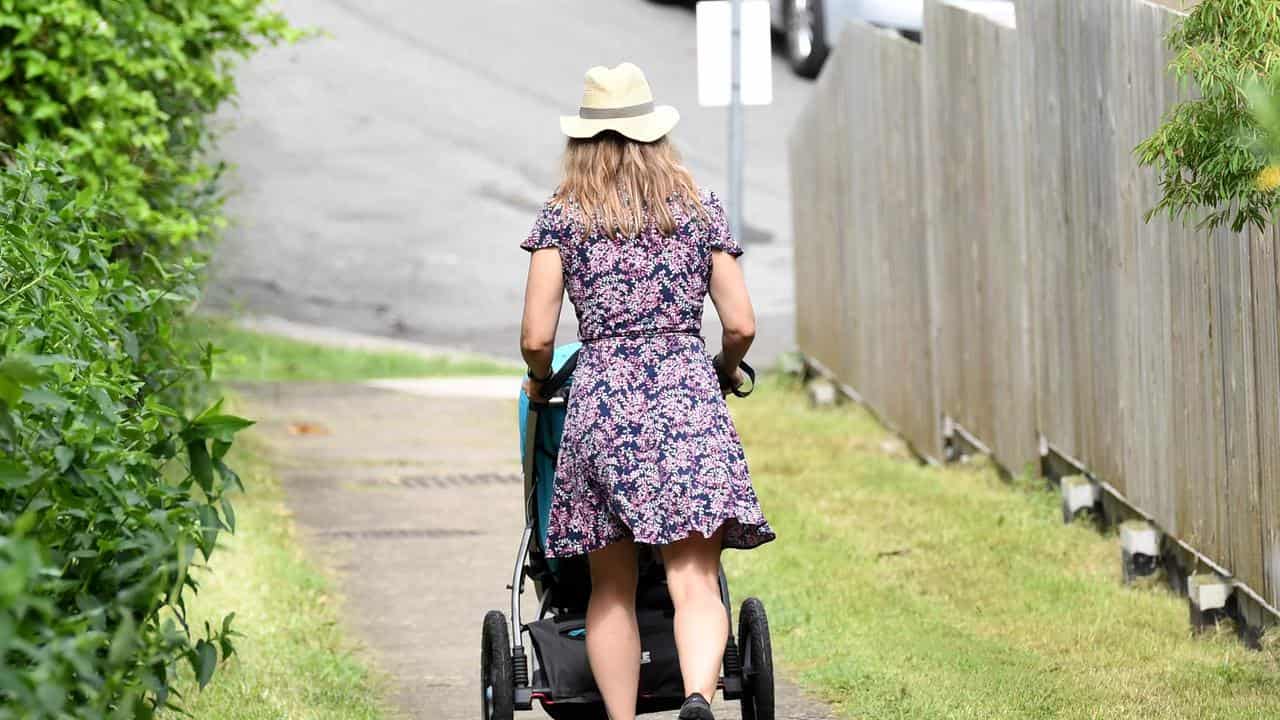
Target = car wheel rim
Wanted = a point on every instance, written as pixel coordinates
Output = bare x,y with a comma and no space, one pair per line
801,27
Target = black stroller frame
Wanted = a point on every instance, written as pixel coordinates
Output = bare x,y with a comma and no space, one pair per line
562,682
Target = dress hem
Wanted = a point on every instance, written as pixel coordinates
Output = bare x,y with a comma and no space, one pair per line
748,536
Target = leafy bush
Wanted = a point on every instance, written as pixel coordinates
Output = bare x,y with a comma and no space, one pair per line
1210,152
109,482
125,85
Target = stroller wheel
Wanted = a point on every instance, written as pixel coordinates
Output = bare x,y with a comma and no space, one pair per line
497,689
757,661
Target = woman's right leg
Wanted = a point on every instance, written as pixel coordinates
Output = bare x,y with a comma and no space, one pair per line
613,637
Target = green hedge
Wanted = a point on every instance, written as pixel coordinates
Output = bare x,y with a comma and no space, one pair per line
111,475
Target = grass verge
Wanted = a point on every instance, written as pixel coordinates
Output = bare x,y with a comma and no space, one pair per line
292,660
249,356
902,591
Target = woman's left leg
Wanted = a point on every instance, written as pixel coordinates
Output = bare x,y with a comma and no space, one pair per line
701,623
613,638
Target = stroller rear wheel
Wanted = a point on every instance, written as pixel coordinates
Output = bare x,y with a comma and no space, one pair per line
497,689
757,661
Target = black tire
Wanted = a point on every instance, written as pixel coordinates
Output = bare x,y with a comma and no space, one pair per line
757,661
804,26
497,688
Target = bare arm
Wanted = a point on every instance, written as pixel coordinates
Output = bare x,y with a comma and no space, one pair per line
543,296
733,305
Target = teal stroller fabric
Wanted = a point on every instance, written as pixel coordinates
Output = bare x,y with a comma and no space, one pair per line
546,447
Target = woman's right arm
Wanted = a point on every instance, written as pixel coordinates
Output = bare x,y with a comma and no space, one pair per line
729,295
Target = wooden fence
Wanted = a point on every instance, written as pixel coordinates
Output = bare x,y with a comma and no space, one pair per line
1055,317
858,175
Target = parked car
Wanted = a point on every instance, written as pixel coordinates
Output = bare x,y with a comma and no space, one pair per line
810,28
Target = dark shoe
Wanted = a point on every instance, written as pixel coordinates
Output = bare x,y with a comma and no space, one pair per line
696,707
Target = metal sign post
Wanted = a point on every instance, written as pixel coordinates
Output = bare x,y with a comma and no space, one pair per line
735,69
735,120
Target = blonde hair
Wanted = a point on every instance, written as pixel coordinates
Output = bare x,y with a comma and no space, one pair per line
615,181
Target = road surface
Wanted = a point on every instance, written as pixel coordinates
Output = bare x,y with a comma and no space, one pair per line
386,172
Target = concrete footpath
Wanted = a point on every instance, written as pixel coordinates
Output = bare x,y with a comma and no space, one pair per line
411,492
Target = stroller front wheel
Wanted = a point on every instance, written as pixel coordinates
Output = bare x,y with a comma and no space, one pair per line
757,661
497,688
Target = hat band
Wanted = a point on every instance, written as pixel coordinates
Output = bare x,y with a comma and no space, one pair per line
629,111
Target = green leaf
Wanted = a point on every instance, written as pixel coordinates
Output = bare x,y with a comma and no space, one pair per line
228,475
14,475
220,427
213,409
122,644
21,370
229,513
206,361
201,464
209,527
42,398
7,430
64,455
84,198
108,407
10,391
204,660
130,341
224,637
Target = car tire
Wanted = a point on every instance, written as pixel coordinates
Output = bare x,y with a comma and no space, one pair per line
804,26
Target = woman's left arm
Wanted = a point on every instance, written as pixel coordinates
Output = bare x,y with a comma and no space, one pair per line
543,297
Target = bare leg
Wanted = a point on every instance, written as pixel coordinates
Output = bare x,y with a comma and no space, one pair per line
613,637
701,624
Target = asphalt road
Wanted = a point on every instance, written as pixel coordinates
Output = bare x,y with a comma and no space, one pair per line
386,173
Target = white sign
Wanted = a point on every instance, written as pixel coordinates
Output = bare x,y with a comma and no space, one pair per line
715,72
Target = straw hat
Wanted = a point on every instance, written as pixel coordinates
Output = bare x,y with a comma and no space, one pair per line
619,99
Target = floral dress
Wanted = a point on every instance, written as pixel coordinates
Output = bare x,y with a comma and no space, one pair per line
649,451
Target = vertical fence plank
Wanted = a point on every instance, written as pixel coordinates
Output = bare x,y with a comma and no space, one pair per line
1042,62
977,237
1265,266
884,227
1239,507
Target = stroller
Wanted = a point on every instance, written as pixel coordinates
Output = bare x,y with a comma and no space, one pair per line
557,673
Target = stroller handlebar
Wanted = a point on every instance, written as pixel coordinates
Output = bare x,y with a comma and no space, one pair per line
552,387
751,375
559,378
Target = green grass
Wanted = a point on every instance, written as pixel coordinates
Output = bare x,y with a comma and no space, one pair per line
988,607
293,661
254,357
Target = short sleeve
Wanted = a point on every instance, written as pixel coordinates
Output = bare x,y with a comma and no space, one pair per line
718,235
553,227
